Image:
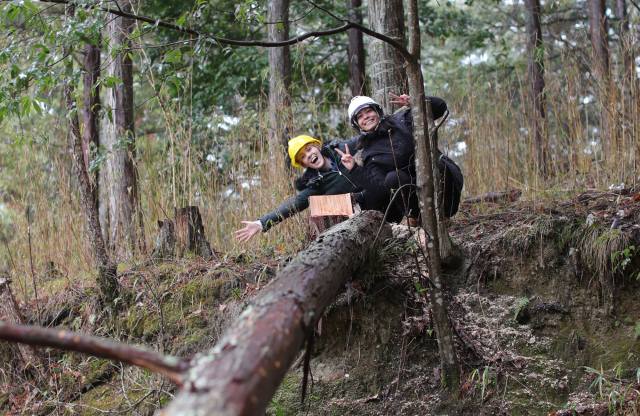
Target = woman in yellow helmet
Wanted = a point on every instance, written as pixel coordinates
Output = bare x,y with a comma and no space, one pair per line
324,174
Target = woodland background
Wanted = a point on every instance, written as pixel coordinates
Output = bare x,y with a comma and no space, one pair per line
108,124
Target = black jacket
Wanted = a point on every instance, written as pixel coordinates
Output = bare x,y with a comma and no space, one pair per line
312,182
389,147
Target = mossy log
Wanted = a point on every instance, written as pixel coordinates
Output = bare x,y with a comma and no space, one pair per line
240,374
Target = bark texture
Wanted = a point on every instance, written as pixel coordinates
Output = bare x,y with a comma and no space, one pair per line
626,42
241,373
425,162
535,49
387,64
279,77
120,179
91,108
598,30
107,281
355,50
184,234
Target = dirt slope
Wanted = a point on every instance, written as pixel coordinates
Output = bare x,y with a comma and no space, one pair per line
544,307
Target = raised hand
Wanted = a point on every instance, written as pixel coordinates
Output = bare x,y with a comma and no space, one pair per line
346,157
403,100
250,229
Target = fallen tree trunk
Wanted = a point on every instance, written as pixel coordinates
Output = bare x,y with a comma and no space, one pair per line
499,196
240,374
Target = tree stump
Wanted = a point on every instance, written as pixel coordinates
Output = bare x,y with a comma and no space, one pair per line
327,211
184,234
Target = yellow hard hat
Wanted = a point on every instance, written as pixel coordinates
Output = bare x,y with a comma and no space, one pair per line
296,144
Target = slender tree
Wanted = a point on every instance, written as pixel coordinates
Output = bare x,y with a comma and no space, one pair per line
598,31
355,50
626,44
120,180
426,158
280,118
535,49
91,108
386,63
107,281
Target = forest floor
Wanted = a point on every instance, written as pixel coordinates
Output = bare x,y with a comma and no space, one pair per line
544,307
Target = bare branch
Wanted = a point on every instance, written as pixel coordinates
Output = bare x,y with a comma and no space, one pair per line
234,42
171,367
397,45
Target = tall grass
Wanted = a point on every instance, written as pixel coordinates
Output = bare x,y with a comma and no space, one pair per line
174,166
491,118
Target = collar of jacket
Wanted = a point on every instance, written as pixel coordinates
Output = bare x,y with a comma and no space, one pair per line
386,124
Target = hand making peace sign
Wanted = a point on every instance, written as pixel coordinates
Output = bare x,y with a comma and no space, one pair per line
346,157
402,100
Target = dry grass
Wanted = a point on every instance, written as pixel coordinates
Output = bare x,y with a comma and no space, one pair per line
174,171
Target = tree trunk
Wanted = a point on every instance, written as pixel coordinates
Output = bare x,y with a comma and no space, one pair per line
10,312
355,50
387,65
280,118
91,110
425,161
241,373
599,42
535,49
626,43
107,281
119,142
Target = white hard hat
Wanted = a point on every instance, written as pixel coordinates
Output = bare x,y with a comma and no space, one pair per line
360,102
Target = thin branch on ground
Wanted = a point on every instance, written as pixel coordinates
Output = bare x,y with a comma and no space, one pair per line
171,367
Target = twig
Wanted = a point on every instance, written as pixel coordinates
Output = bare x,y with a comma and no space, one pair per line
33,274
171,367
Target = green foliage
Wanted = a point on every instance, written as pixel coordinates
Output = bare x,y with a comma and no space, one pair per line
599,382
621,260
482,381
521,304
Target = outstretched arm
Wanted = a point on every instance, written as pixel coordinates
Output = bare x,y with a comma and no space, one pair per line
250,229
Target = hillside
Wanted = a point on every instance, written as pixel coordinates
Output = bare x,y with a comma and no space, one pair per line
544,308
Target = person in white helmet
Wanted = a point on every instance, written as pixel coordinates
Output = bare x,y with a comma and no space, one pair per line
386,152
324,174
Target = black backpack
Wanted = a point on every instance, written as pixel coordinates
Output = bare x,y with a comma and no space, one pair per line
452,183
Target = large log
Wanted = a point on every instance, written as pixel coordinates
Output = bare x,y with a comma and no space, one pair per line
240,374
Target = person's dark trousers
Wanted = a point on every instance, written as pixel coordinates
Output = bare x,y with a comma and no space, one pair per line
406,202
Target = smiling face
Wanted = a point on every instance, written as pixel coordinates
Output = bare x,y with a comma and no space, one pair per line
310,157
367,119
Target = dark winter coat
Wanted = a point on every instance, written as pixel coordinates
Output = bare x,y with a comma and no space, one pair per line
389,147
312,182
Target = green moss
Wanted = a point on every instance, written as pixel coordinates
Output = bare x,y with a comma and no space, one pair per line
286,401
203,290
97,369
94,402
